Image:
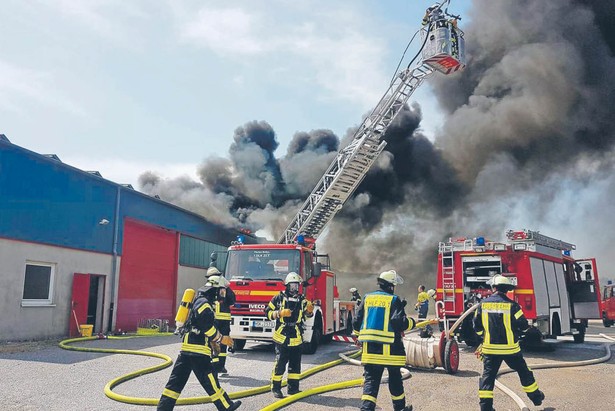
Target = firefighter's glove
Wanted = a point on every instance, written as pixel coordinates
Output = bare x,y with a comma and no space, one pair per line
286,312
479,353
404,302
309,308
215,348
226,340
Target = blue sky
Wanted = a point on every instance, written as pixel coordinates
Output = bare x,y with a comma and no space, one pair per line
124,87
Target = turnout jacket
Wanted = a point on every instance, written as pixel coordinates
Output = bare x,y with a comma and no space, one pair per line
289,330
381,320
201,328
499,321
223,308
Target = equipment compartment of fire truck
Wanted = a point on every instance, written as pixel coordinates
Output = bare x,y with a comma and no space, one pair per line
558,294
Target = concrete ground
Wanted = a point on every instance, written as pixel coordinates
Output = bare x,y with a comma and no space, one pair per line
42,376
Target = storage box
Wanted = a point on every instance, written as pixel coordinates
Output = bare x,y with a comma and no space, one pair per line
86,330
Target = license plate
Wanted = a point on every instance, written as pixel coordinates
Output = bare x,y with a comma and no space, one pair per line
263,324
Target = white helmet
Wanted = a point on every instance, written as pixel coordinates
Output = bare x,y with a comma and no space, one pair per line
499,280
292,277
391,277
212,271
431,293
353,290
217,281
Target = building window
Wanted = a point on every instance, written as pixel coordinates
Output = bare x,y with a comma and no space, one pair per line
38,284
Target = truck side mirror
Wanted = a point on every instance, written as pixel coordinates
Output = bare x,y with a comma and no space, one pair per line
317,269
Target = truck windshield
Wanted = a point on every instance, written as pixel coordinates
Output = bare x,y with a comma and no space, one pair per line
262,264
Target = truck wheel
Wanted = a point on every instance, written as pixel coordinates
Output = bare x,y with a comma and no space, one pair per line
239,345
580,337
451,356
606,321
312,346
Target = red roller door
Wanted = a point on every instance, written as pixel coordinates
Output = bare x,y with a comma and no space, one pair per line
148,275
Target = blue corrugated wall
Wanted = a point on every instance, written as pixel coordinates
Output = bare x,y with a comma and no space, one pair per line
45,201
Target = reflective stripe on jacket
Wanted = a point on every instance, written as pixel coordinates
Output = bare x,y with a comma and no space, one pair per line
381,320
499,320
202,328
289,330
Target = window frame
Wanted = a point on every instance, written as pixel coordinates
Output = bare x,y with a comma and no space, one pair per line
39,302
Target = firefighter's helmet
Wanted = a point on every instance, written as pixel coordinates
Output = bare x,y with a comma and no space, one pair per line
212,271
390,277
353,290
431,293
217,281
498,281
292,277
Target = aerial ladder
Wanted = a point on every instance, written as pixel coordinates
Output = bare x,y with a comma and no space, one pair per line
442,50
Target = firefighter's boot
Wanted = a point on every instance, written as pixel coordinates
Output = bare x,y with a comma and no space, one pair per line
293,387
234,405
277,393
537,397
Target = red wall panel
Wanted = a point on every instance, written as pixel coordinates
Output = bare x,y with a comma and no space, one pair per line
148,275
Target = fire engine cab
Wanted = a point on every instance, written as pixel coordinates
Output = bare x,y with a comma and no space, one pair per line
558,294
257,272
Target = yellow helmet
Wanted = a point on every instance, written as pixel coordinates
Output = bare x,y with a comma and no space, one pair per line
292,277
391,277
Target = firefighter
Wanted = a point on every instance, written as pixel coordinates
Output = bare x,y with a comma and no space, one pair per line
288,309
380,321
223,320
499,321
422,306
199,339
355,296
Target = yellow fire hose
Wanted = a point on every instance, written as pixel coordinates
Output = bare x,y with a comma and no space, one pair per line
168,361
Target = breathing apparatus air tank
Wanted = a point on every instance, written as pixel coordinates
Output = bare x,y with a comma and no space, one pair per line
184,308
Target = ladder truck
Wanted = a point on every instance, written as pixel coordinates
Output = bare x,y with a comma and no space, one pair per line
256,271
557,293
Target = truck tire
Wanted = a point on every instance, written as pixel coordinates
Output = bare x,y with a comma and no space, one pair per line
239,345
579,338
312,346
451,356
467,333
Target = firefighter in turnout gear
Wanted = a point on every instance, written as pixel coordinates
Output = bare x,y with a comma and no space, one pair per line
288,309
199,339
222,309
381,320
355,296
499,321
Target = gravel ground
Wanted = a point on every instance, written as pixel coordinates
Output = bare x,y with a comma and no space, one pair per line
41,376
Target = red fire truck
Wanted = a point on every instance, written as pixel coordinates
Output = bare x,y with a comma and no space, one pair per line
608,305
256,272
557,293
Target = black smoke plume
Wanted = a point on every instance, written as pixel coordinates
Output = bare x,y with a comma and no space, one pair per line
527,142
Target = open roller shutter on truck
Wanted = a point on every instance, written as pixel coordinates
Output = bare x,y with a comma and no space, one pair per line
148,275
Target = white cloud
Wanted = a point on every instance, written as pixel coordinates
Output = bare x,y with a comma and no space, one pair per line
127,171
20,86
332,49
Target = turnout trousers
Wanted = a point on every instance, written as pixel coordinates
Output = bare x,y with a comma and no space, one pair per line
491,366
202,368
373,374
219,362
286,355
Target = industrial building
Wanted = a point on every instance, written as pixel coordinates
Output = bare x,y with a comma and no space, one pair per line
78,249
